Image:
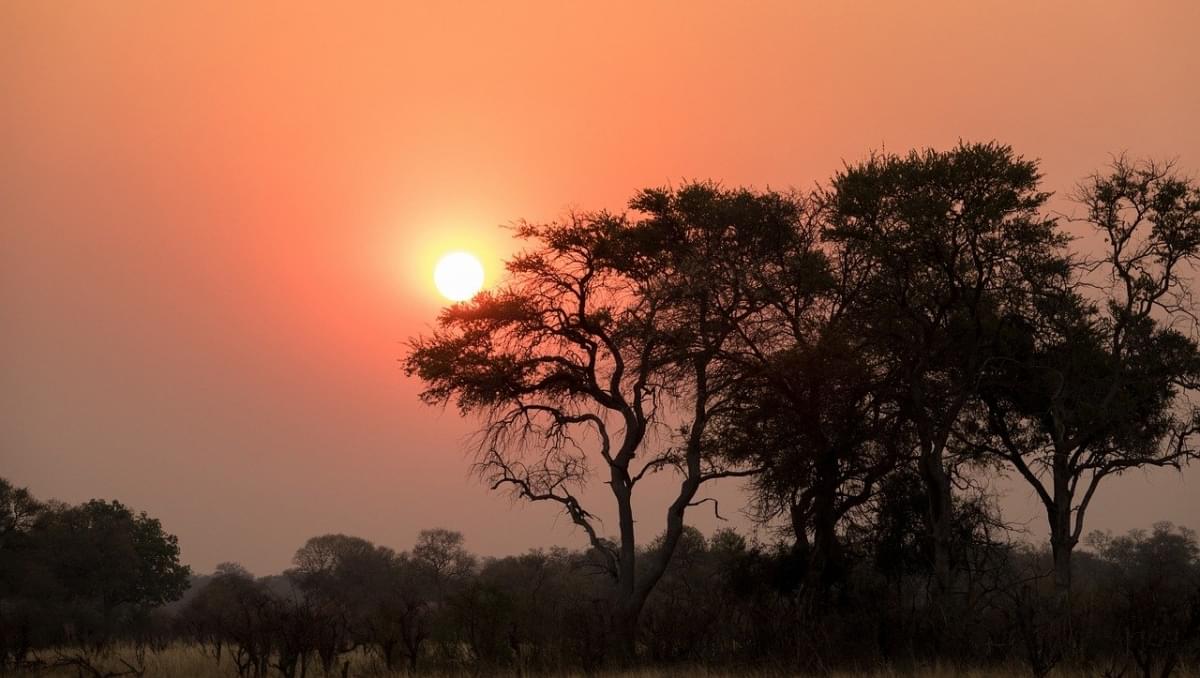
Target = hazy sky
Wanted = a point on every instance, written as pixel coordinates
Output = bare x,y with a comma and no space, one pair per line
218,223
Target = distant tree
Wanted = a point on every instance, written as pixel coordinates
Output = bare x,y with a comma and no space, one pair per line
424,580
346,592
1152,582
342,578
297,626
380,620
411,605
443,554
104,554
481,614
18,511
608,345
78,579
536,591
232,616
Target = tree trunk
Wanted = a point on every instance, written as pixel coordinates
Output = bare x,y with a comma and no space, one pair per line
799,519
623,627
824,561
627,609
941,515
632,590
1062,541
388,649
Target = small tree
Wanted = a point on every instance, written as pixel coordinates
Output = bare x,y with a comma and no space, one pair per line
232,615
341,577
18,511
445,558
1153,590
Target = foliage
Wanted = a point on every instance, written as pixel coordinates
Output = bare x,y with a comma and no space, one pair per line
88,575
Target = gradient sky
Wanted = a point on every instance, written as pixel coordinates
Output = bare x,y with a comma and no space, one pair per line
218,222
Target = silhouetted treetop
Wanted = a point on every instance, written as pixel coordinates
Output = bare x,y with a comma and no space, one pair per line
615,340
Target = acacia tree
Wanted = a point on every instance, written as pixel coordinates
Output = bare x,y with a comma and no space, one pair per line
606,352
955,243
1087,391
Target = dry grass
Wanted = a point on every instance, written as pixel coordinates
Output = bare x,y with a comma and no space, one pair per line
188,661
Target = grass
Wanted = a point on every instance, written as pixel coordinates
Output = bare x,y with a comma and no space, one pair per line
188,661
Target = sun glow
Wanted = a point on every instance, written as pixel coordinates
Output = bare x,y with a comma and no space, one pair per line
458,276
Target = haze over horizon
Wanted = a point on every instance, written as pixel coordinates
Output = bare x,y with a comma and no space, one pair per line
218,225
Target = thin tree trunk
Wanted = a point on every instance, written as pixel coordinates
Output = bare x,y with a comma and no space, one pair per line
824,562
940,513
626,610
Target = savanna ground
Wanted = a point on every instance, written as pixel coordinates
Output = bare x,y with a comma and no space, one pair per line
189,661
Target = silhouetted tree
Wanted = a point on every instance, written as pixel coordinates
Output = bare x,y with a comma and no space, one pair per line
341,577
608,345
955,244
19,612
231,616
77,579
1153,582
1085,392
443,553
868,358
18,511
413,601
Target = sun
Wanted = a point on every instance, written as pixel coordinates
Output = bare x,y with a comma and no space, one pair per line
458,276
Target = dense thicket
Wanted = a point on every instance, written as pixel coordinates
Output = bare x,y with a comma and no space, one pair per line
867,358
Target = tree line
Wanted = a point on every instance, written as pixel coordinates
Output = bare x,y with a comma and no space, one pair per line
96,588
866,358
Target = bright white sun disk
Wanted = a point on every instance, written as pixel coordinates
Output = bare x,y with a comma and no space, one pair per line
458,276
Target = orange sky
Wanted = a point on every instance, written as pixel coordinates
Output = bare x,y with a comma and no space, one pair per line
218,223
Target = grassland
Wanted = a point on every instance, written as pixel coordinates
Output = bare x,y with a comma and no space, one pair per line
188,661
